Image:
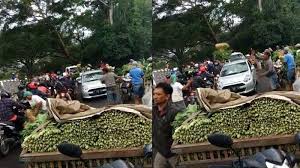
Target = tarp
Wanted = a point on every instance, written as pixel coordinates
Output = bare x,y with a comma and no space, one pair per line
64,111
214,100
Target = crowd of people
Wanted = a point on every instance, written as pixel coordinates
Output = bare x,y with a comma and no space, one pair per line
276,65
51,85
168,94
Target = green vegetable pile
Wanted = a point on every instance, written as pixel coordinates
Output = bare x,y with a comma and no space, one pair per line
263,117
30,127
110,130
184,115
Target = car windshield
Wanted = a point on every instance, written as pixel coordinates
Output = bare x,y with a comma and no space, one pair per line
73,69
91,77
234,69
236,57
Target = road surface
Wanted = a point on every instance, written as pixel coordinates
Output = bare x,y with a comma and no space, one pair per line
12,160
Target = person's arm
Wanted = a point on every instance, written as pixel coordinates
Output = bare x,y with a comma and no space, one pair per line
270,69
18,105
186,87
68,96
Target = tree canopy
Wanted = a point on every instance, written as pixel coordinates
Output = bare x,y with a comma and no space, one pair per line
191,28
37,33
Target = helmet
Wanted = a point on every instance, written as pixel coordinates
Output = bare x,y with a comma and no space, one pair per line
202,69
32,85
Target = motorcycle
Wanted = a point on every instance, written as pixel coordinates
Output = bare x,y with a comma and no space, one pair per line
75,151
269,158
126,89
9,137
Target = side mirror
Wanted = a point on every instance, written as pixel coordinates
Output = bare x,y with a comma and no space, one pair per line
70,150
148,150
252,68
78,79
297,138
220,140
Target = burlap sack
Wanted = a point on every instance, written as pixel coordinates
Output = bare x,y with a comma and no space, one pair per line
141,110
30,116
213,100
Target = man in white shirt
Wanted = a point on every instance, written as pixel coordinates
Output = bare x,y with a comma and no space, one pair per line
36,102
177,95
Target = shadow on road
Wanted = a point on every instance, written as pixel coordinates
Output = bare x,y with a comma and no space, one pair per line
12,160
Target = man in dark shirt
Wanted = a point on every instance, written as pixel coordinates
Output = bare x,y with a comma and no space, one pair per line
164,113
7,114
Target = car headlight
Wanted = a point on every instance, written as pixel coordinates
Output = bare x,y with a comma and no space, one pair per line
247,78
85,88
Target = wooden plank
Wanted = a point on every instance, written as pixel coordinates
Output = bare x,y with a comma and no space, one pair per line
251,142
73,164
219,154
90,163
97,154
67,164
98,162
51,165
211,153
59,164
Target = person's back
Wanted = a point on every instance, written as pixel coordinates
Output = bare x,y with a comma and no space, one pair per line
290,61
6,109
136,74
109,79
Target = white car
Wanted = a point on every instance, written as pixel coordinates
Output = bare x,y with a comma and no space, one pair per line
237,56
91,85
238,76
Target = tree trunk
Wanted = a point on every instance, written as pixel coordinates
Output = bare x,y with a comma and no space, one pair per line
260,5
111,12
63,45
211,29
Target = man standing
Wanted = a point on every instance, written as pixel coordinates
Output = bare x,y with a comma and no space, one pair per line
291,67
269,71
113,94
137,82
164,112
177,95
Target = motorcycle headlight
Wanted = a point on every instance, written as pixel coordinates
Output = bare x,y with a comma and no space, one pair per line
247,78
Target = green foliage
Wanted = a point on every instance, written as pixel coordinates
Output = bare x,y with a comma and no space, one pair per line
30,127
184,115
60,33
222,55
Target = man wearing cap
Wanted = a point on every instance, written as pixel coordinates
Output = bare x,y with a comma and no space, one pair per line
36,102
291,66
137,82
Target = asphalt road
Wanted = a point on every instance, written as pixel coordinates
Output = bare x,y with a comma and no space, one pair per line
12,160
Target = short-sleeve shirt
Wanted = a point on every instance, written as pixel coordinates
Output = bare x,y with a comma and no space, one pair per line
289,60
137,75
37,99
177,92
